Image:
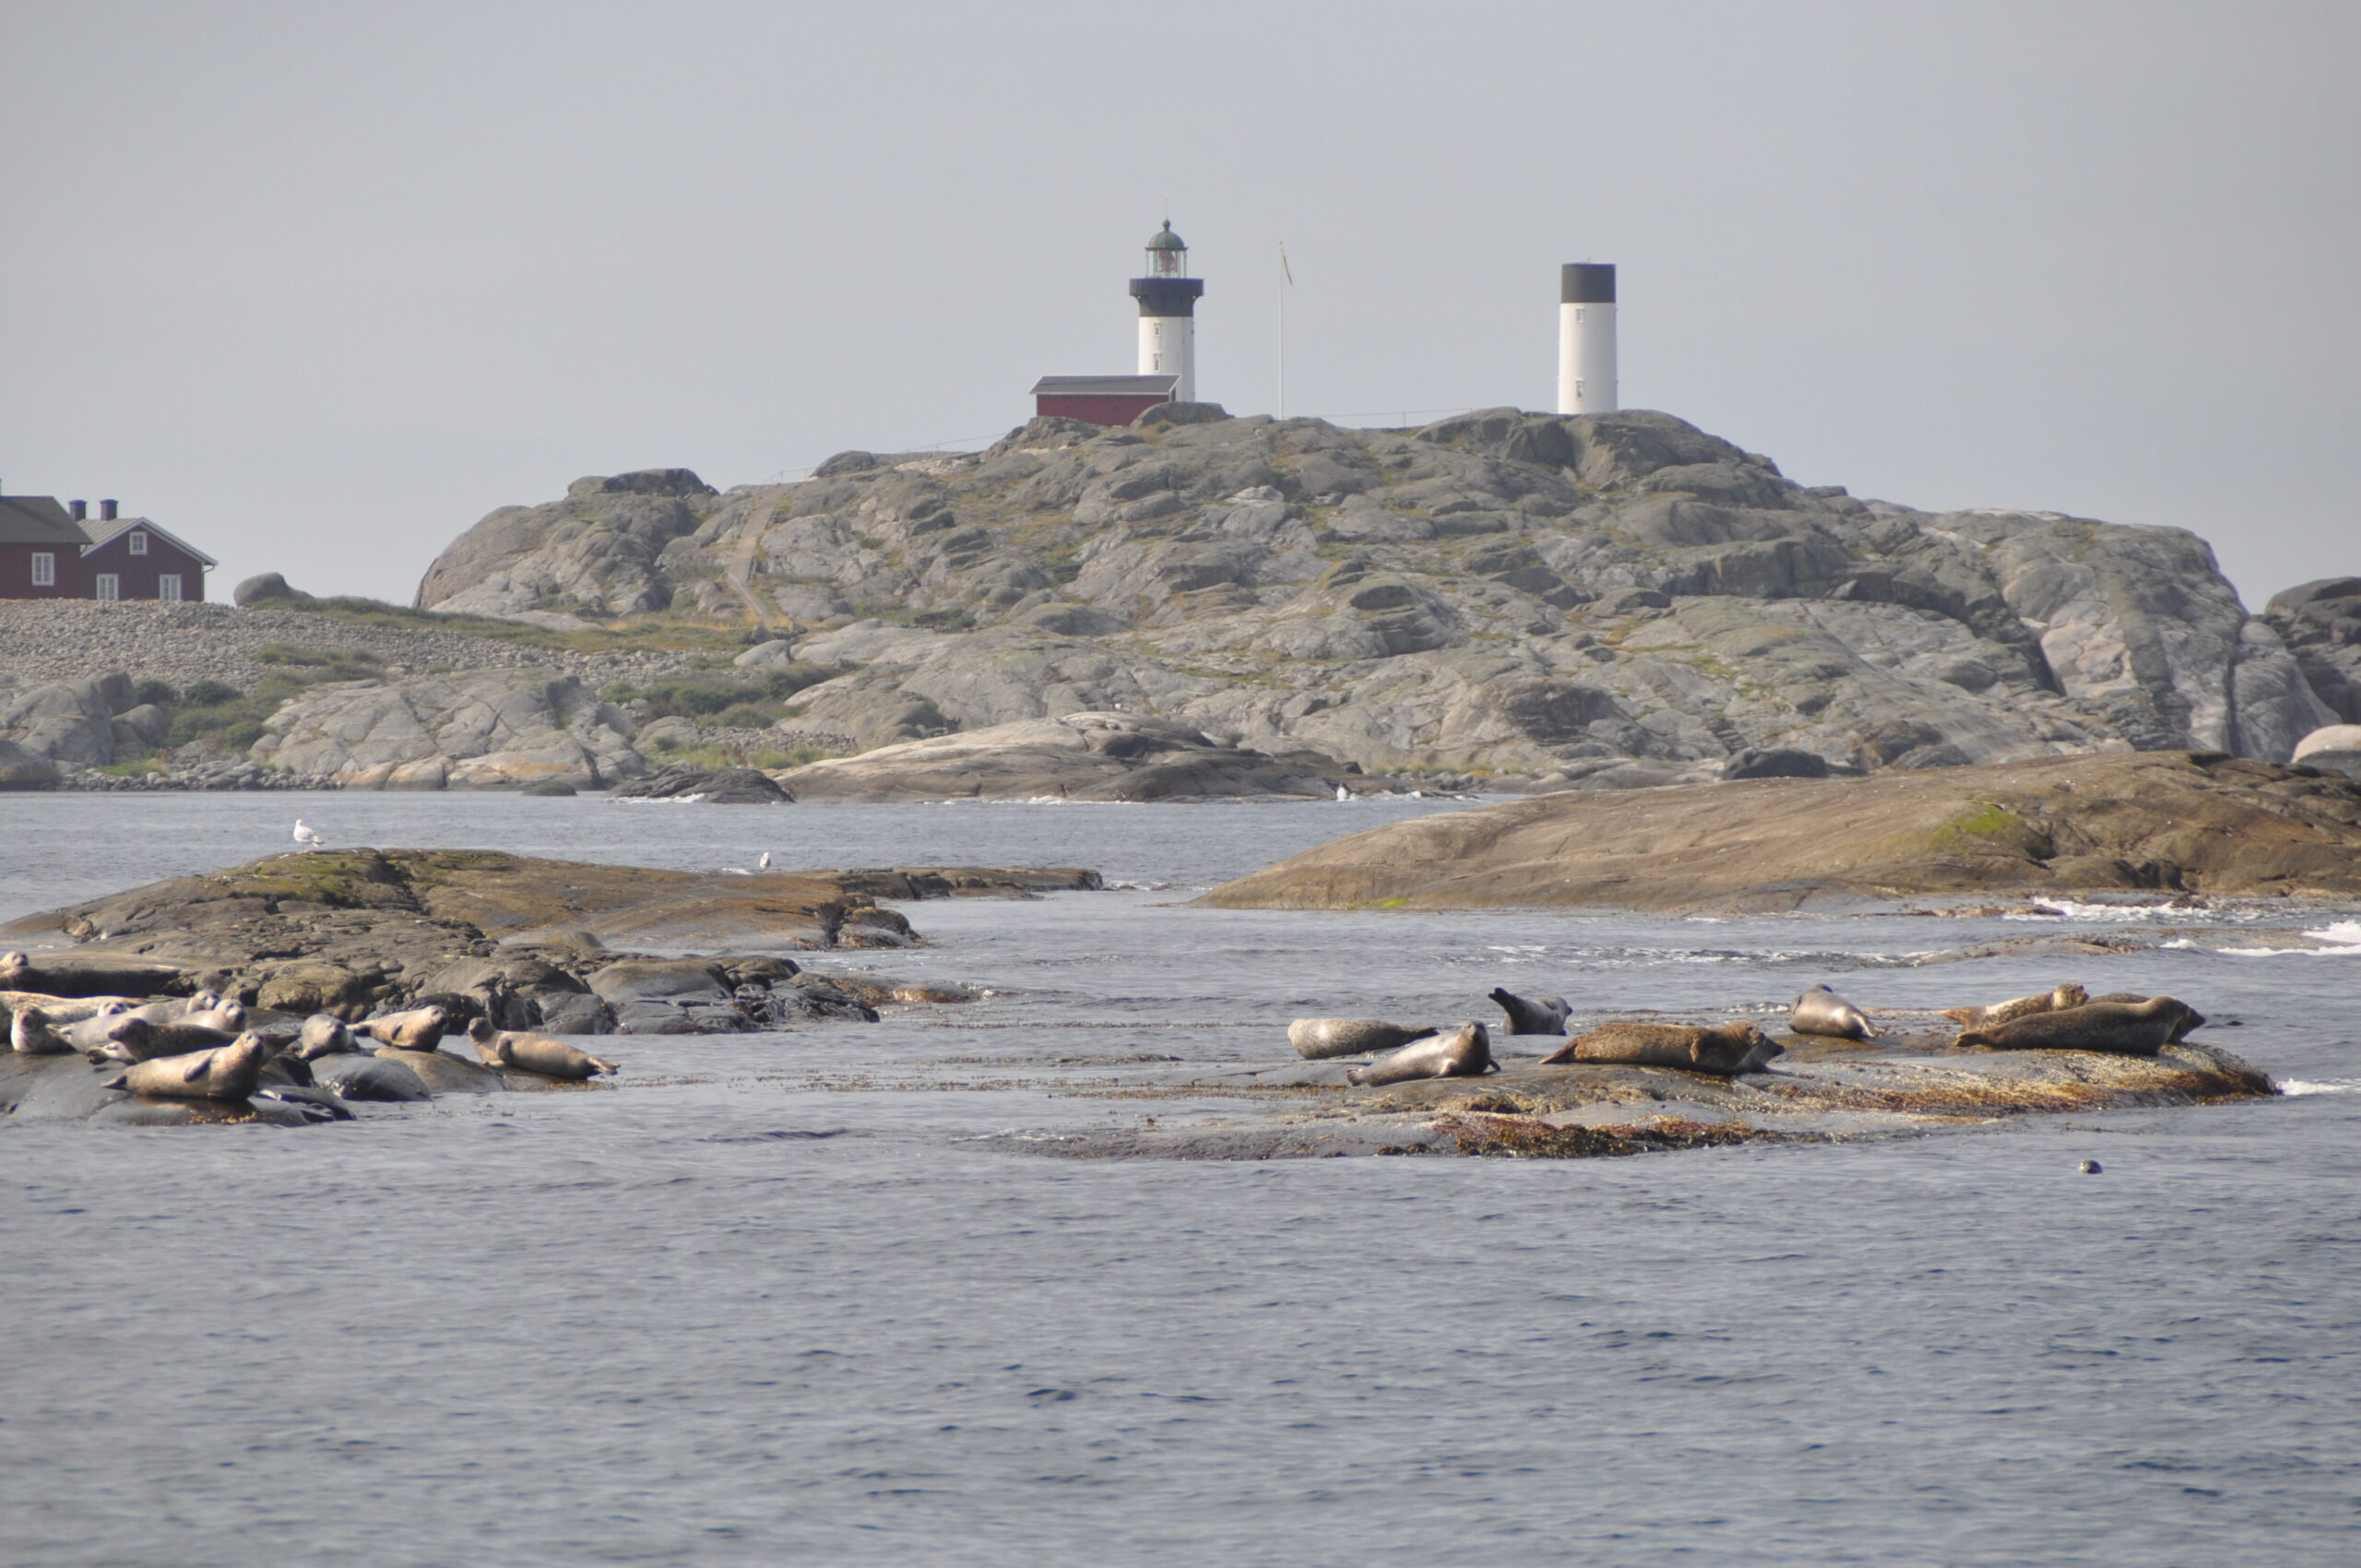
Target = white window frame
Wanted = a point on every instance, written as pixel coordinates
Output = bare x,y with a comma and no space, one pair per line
138,545
109,586
44,568
168,587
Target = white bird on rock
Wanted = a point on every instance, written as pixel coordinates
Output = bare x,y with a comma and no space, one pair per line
764,863
308,837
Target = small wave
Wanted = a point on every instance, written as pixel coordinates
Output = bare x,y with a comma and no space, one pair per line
2318,1086
2342,936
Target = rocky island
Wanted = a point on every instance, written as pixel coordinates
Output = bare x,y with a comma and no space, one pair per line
1502,599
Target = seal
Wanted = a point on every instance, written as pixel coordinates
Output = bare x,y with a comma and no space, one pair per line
421,1028
1820,1011
227,1072
1723,1050
1465,1053
134,1039
1316,1040
29,1034
2055,1000
96,1035
2133,996
323,1034
1532,1017
2116,1028
550,1057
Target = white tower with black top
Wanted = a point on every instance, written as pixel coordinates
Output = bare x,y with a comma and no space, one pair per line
1168,298
1586,337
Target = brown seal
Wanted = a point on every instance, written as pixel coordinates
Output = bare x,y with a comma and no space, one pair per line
1465,1053
421,1028
323,1034
1820,1011
30,1034
1315,1039
2055,1000
1723,1050
545,1054
227,1072
2118,1028
134,1039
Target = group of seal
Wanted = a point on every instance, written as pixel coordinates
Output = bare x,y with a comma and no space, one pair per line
207,1048
2065,1018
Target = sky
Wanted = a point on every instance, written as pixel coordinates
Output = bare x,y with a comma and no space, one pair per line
316,286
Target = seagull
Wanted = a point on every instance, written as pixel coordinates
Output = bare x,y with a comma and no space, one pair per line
1342,793
764,863
307,837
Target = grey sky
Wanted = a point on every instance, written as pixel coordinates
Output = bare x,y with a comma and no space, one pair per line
318,285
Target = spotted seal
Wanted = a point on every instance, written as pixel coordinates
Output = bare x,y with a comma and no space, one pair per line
550,1057
30,1034
2057,999
1465,1053
323,1034
1722,1049
1316,1040
1547,1017
2116,1028
227,1072
1820,1011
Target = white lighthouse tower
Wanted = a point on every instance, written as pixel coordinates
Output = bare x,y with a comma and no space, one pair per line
1168,298
1586,337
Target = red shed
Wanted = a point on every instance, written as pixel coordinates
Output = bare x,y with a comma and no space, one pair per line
48,551
1101,399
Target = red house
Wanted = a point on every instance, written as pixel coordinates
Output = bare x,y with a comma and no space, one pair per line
1101,399
48,551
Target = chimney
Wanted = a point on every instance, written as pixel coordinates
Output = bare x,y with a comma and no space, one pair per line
79,509
106,511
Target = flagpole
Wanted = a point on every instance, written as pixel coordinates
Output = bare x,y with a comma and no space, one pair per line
1285,278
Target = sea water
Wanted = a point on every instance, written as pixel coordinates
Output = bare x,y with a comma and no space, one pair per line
776,1298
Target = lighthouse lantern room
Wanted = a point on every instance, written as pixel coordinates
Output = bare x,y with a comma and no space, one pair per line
1168,298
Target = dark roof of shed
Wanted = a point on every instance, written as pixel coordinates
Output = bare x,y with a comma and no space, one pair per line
37,519
1107,386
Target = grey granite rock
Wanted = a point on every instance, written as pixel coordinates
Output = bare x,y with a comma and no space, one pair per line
595,551
483,730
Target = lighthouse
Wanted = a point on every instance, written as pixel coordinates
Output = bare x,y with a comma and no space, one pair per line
1168,298
1585,337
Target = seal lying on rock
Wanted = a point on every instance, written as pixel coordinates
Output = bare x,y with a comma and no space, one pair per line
1315,1039
2055,1000
533,1053
134,1039
228,1072
1465,1053
421,1028
29,1034
1820,1011
2118,1028
1725,1050
1532,1017
2194,1020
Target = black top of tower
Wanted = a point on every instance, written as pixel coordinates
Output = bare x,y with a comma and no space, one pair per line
1587,283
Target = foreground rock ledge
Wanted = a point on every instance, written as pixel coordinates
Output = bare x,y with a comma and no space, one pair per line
2185,821
1583,1111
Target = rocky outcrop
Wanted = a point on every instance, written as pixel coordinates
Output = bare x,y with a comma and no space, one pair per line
2321,622
1082,756
2333,746
1598,601
2196,822
595,551
484,730
711,786
355,932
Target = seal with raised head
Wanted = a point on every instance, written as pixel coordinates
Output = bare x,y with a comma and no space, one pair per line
421,1028
1547,1018
550,1057
227,1072
2118,1028
2057,999
1722,1049
29,1034
1820,1011
322,1034
1316,1040
1465,1053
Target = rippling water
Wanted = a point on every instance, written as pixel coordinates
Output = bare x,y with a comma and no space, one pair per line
763,1304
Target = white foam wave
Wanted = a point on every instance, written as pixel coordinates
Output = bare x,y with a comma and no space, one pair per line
2318,1086
2342,936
